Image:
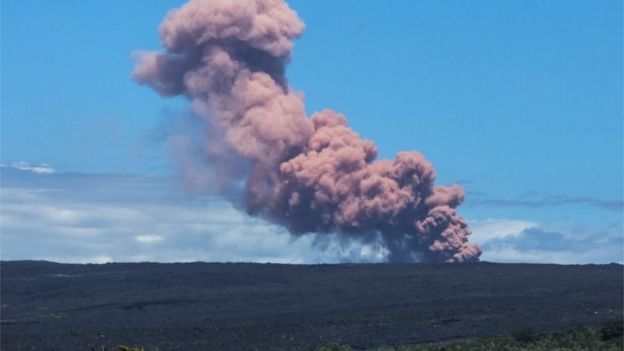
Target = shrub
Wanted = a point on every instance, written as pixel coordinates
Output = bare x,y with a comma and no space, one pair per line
525,335
612,329
121,348
334,347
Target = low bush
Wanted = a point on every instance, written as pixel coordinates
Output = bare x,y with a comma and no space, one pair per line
335,347
526,335
579,338
121,348
612,330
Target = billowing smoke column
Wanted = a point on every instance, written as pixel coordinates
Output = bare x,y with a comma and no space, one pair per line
311,175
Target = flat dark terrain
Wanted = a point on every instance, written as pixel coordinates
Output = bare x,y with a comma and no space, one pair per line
239,306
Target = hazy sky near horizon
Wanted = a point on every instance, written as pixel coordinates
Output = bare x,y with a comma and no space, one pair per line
518,101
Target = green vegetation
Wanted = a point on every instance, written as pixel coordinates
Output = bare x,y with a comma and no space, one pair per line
335,347
607,338
121,348
612,330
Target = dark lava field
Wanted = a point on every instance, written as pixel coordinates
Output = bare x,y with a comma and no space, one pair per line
241,306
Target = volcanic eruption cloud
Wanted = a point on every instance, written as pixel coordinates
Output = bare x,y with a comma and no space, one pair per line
308,174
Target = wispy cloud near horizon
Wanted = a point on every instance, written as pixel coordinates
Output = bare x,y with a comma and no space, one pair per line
535,200
40,168
83,218
97,218
536,245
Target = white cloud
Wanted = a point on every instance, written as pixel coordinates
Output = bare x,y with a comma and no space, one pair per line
41,168
96,218
67,223
497,228
517,240
593,255
148,238
536,245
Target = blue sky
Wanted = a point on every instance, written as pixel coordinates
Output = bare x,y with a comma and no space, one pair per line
519,101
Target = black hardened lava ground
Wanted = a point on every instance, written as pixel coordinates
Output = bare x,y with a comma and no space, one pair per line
221,306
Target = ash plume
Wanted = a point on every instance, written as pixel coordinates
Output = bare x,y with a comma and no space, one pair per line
308,174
